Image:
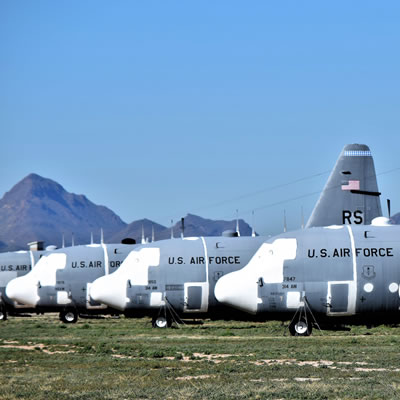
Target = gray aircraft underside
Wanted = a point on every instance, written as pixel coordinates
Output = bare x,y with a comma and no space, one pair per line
185,271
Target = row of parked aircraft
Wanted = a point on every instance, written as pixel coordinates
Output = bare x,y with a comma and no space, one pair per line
342,269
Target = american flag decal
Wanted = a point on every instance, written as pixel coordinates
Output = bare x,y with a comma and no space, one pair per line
351,185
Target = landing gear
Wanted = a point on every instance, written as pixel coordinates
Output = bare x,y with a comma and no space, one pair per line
161,321
303,320
3,313
69,316
301,327
165,316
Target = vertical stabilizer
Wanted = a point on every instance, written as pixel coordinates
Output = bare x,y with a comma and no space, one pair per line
143,239
351,194
237,223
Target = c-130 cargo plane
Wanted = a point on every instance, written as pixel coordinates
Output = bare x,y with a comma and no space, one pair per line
182,276
332,275
12,265
61,279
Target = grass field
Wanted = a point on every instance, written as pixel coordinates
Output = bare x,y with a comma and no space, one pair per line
42,358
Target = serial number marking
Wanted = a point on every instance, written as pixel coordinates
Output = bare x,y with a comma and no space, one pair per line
287,286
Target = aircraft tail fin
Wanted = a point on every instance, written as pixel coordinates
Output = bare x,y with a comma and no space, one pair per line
351,194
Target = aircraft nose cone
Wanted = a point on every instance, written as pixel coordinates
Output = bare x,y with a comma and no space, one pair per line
110,291
23,290
238,291
222,290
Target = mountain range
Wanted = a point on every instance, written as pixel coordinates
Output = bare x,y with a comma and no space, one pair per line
38,208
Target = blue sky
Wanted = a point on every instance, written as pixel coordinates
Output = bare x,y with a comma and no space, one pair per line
159,108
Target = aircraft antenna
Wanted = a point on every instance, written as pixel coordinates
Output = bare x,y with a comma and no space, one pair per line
73,240
63,241
172,228
143,239
152,233
237,222
253,232
102,235
284,221
388,206
182,227
91,237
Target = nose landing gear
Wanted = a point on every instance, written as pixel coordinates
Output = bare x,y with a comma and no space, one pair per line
69,316
302,323
302,327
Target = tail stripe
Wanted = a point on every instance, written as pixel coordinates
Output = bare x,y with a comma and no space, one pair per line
357,153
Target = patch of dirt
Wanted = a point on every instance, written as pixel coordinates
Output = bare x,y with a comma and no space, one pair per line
190,377
307,379
375,370
325,364
288,361
292,361
121,356
31,347
215,358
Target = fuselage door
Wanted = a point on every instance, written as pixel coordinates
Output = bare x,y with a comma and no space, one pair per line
339,298
196,297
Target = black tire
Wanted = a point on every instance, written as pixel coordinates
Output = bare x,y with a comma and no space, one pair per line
301,327
161,322
69,316
3,314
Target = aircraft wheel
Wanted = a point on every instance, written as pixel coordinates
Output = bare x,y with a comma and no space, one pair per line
161,322
300,328
69,316
3,313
